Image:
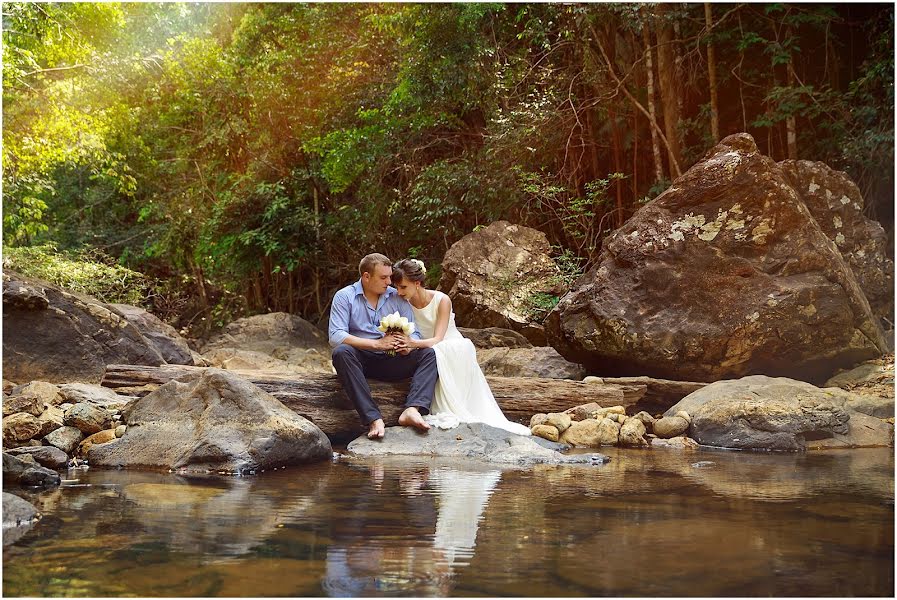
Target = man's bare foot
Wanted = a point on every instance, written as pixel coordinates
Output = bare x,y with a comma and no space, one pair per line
376,430
410,417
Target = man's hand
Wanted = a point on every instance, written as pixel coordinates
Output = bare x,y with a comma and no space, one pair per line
386,343
405,344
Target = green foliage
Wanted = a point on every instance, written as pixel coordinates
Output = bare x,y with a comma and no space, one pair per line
86,271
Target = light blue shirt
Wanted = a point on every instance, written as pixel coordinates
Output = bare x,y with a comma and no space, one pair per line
350,313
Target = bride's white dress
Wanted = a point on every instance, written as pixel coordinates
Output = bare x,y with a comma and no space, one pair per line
462,394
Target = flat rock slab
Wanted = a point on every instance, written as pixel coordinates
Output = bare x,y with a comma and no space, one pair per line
476,441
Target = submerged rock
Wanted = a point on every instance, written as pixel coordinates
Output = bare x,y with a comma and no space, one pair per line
470,440
211,420
18,517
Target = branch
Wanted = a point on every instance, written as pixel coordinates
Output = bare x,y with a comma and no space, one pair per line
79,66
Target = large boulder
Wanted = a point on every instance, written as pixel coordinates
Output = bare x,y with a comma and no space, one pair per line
541,361
774,413
24,470
835,202
164,337
274,341
723,275
212,421
54,335
476,441
492,276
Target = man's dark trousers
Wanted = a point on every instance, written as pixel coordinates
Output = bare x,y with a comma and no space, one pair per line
354,367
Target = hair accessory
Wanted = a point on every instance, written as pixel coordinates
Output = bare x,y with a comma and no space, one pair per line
420,264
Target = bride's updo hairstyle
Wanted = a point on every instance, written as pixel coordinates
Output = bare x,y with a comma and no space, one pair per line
410,269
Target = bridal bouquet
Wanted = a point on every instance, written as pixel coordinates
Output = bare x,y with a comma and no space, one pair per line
395,323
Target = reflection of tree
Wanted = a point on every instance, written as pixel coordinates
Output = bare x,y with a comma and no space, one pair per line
434,514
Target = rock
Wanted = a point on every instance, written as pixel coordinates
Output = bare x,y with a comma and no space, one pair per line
46,456
291,344
165,338
835,202
88,418
646,419
494,337
559,421
683,415
18,517
8,386
78,337
476,441
608,432
680,442
100,437
583,434
97,395
23,404
583,411
606,410
44,392
863,432
725,274
212,421
21,472
538,419
18,428
199,360
632,433
64,438
669,427
874,378
545,431
493,274
51,419
120,430
761,413
543,361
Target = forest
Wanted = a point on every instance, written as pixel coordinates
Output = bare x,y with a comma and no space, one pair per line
231,159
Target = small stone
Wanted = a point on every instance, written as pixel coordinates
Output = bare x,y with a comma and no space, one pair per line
669,427
101,437
583,411
537,419
121,429
547,432
88,418
25,403
65,438
46,456
602,412
583,434
684,415
18,428
50,419
560,421
608,432
46,392
680,442
632,433
592,379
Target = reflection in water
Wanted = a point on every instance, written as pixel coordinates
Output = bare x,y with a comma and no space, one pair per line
448,501
656,523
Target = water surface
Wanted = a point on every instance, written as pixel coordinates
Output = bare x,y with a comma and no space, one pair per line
649,523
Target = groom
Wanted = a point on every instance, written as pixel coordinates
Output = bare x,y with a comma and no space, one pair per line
360,349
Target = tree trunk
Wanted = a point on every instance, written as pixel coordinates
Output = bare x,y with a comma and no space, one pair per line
791,120
320,398
711,75
649,69
669,90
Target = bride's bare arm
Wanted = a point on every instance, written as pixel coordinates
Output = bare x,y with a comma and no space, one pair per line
443,312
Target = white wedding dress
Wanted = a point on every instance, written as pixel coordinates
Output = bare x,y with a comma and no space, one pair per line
462,394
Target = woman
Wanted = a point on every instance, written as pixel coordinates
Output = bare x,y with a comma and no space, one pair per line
462,394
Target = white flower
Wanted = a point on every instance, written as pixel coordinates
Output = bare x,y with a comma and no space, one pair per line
408,328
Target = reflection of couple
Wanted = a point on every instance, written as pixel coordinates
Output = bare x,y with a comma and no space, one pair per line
446,379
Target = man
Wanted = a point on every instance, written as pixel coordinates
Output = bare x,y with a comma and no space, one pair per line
360,349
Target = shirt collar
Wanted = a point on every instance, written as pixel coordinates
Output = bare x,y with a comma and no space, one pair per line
359,291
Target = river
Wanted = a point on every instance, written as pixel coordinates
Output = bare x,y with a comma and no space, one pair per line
648,523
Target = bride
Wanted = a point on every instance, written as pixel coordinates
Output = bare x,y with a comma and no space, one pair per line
462,394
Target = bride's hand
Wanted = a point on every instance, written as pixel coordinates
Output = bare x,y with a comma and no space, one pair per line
405,343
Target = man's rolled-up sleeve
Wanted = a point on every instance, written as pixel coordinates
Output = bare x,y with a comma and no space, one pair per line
338,329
